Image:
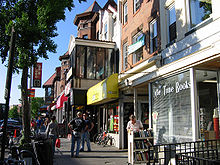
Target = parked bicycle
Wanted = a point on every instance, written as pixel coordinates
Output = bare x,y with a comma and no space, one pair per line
103,138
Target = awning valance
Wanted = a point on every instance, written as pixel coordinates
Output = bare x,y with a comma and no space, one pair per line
141,42
104,91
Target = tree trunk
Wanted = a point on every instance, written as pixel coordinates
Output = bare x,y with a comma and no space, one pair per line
25,105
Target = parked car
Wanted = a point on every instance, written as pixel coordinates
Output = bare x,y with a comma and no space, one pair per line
12,125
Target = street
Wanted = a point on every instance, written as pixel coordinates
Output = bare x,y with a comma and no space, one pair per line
99,156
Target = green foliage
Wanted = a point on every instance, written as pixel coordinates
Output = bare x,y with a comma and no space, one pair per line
13,113
35,24
36,103
207,6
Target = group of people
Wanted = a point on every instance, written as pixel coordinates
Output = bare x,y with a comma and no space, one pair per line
80,128
49,126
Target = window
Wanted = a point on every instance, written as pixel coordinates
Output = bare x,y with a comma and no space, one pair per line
105,31
172,23
137,5
125,56
94,62
85,25
199,11
125,13
138,54
153,36
85,36
97,35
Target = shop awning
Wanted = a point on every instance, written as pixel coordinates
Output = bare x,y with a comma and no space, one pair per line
141,42
61,100
104,91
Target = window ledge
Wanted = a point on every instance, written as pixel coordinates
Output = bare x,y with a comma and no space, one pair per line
124,24
199,26
171,43
136,12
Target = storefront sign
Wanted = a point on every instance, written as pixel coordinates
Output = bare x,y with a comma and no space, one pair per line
37,75
116,123
177,87
105,90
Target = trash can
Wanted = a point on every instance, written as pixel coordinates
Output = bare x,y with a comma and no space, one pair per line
44,151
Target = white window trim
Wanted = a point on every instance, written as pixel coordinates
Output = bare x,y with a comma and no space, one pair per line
125,55
188,15
126,3
134,5
168,20
151,38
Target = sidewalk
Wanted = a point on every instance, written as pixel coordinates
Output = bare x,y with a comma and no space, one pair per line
99,156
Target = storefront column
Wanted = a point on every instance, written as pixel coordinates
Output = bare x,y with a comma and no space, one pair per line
135,103
121,125
218,94
150,106
194,104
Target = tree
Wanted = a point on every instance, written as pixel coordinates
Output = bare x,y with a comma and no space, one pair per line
35,24
36,103
13,113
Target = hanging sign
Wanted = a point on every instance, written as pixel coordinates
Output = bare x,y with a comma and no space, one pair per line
37,75
31,92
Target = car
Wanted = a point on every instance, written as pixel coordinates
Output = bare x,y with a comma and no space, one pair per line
12,125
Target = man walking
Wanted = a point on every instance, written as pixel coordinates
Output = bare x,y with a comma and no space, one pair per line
86,134
77,125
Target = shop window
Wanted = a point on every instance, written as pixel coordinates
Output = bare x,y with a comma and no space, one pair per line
153,36
138,54
125,56
137,5
171,109
171,23
113,118
125,12
200,10
208,101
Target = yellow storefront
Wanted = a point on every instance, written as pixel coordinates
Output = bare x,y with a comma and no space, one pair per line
105,96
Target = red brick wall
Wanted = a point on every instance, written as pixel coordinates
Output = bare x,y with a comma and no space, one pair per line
148,11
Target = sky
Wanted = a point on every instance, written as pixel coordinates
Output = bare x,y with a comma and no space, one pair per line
64,29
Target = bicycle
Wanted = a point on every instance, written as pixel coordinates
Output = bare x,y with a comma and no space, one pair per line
108,140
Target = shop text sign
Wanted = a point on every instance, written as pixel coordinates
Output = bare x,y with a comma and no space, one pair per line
177,87
37,75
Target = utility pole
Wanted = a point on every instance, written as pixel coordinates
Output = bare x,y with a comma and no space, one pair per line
8,89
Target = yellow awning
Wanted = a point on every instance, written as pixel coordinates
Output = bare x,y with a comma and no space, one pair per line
104,91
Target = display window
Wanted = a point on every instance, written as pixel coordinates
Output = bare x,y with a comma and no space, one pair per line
171,109
113,118
206,82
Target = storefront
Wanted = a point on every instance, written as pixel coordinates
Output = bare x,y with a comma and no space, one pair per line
183,106
104,96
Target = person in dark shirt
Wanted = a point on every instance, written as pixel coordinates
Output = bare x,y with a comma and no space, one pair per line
86,134
77,126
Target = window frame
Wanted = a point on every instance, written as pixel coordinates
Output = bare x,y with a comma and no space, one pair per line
136,5
189,16
153,37
106,31
136,54
125,55
125,13
169,24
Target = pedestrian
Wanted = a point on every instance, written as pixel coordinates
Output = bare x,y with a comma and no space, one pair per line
86,133
33,125
52,131
39,121
134,124
77,126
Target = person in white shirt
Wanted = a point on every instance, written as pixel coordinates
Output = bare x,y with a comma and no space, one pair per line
134,125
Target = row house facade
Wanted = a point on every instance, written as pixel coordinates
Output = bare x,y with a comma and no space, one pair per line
157,59
175,70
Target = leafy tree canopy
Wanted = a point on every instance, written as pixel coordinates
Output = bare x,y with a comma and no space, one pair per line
36,103
35,24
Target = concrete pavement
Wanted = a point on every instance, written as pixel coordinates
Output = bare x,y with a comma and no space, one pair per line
100,155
